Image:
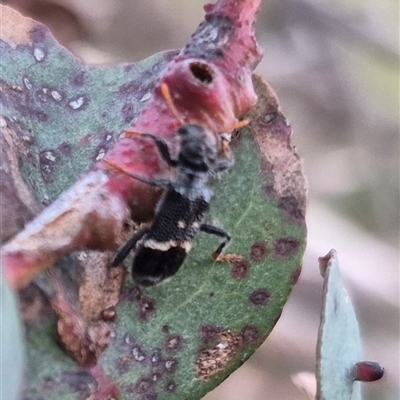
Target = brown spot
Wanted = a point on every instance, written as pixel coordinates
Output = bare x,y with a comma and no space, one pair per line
109,314
86,140
128,339
128,67
81,382
48,160
286,248
39,115
135,294
296,275
79,78
49,384
149,396
171,365
144,384
209,333
165,328
267,169
106,143
17,88
174,342
292,207
55,95
213,360
171,387
27,82
124,364
250,334
156,357
29,140
107,139
138,354
78,103
99,153
281,127
39,33
241,269
148,308
129,88
128,112
273,134
65,149
268,118
270,191
260,297
335,305
258,251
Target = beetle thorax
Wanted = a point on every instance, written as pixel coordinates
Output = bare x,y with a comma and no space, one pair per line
198,149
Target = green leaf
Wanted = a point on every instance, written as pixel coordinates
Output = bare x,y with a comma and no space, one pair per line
339,341
66,114
160,331
182,339
11,346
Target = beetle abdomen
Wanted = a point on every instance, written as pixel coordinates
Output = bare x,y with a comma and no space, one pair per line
151,266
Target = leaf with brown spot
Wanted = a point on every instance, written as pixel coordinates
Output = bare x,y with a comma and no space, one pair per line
185,307
66,119
273,132
215,359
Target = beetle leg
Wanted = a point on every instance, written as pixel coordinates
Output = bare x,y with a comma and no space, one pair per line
123,253
213,230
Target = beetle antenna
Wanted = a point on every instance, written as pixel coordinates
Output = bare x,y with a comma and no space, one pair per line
239,125
168,98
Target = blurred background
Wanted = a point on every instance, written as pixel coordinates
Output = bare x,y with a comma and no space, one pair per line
335,67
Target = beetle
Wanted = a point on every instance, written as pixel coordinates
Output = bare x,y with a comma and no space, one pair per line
161,249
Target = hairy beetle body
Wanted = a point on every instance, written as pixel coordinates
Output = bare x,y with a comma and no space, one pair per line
161,249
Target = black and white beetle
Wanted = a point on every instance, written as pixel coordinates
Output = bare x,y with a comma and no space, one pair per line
161,249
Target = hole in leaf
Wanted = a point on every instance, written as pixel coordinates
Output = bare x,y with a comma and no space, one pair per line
202,72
